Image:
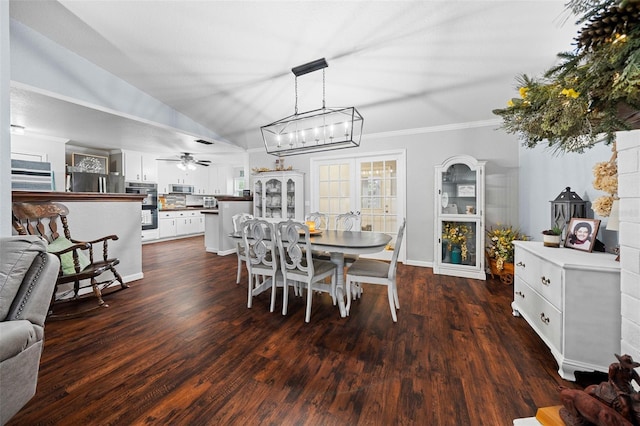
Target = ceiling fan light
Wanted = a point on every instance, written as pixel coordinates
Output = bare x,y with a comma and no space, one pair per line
191,166
181,166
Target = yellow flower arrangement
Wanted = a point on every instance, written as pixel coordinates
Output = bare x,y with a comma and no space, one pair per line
500,244
456,235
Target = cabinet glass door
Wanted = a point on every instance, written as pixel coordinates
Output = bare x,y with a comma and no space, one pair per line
257,198
459,243
459,189
273,198
291,199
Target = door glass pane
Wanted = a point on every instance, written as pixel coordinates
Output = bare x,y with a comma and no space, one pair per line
334,189
378,195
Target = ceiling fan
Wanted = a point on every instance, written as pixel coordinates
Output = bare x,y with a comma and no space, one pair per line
187,161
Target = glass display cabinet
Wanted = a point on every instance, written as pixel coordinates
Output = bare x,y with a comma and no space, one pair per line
459,218
279,195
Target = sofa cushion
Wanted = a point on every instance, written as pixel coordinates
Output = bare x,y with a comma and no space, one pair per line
16,255
66,259
16,336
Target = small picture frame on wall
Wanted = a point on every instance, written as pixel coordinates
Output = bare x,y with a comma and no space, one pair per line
581,233
466,190
90,163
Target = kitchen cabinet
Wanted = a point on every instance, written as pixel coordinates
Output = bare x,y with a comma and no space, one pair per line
139,167
279,195
459,218
189,222
169,173
167,224
571,299
221,180
179,223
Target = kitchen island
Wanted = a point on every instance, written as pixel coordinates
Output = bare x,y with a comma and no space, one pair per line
218,224
94,215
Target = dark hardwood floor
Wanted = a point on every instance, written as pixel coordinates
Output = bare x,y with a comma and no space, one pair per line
180,347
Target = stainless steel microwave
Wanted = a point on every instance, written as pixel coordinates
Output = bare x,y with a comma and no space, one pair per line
175,188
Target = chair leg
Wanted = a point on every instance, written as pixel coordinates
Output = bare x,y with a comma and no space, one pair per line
250,292
395,295
285,297
239,270
97,292
118,277
307,317
348,291
392,305
274,282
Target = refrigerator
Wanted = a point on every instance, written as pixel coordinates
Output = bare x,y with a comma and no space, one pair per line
95,182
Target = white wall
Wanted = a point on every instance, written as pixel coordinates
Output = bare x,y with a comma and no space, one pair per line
425,149
629,191
5,121
544,175
48,149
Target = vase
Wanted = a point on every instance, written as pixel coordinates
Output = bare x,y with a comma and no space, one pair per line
456,255
551,240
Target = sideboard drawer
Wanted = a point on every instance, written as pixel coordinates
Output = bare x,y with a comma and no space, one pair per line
542,276
541,315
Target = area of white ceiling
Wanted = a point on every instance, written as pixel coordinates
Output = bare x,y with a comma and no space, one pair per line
226,65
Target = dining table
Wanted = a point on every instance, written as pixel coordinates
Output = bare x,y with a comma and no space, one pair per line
338,243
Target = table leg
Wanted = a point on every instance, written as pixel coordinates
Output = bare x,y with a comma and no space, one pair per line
338,259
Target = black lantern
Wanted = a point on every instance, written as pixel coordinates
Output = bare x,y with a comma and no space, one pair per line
567,205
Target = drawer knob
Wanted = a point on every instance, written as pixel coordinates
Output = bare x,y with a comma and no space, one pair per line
544,318
521,264
546,281
519,293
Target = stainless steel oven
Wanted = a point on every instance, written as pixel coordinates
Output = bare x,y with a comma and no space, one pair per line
149,214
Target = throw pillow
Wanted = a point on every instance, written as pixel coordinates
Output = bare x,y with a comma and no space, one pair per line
66,260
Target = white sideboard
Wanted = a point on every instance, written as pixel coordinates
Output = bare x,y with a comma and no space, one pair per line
571,298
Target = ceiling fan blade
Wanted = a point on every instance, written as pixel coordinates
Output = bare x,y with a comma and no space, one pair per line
202,163
168,159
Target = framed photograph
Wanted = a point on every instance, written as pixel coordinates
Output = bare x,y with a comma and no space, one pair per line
90,163
466,190
581,233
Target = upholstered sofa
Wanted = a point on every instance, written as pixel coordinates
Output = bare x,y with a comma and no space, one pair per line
27,280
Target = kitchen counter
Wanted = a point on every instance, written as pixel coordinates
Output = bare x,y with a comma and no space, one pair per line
179,209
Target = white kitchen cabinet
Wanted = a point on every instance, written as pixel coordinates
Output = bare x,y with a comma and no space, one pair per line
139,167
279,195
221,180
201,181
459,207
571,298
189,222
167,224
169,173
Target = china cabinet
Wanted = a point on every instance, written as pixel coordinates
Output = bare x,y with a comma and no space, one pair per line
459,218
279,195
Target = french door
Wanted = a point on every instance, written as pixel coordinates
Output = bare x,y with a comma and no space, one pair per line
372,184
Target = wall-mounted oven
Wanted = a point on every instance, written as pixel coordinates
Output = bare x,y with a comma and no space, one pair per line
149,214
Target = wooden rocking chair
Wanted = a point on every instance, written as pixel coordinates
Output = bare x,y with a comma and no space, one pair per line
77,262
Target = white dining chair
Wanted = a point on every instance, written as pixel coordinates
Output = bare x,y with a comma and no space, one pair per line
238,220
348,221
261,259
351,221
373,271
321,220
299,266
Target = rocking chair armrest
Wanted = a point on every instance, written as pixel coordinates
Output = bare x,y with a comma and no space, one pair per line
99,240
77,245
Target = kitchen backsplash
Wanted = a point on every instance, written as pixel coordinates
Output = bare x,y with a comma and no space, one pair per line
176,201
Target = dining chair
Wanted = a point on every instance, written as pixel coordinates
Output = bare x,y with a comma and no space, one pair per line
299,266
373,271
321,220
348,221
261,259
238,221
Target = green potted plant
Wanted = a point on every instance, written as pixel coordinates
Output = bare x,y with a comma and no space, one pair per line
551,237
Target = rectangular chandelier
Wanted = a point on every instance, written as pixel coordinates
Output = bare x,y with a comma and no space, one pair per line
318,130
313,131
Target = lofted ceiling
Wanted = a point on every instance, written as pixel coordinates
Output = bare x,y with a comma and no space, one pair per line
227,64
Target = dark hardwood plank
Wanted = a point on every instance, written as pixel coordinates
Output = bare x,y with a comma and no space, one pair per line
181,347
